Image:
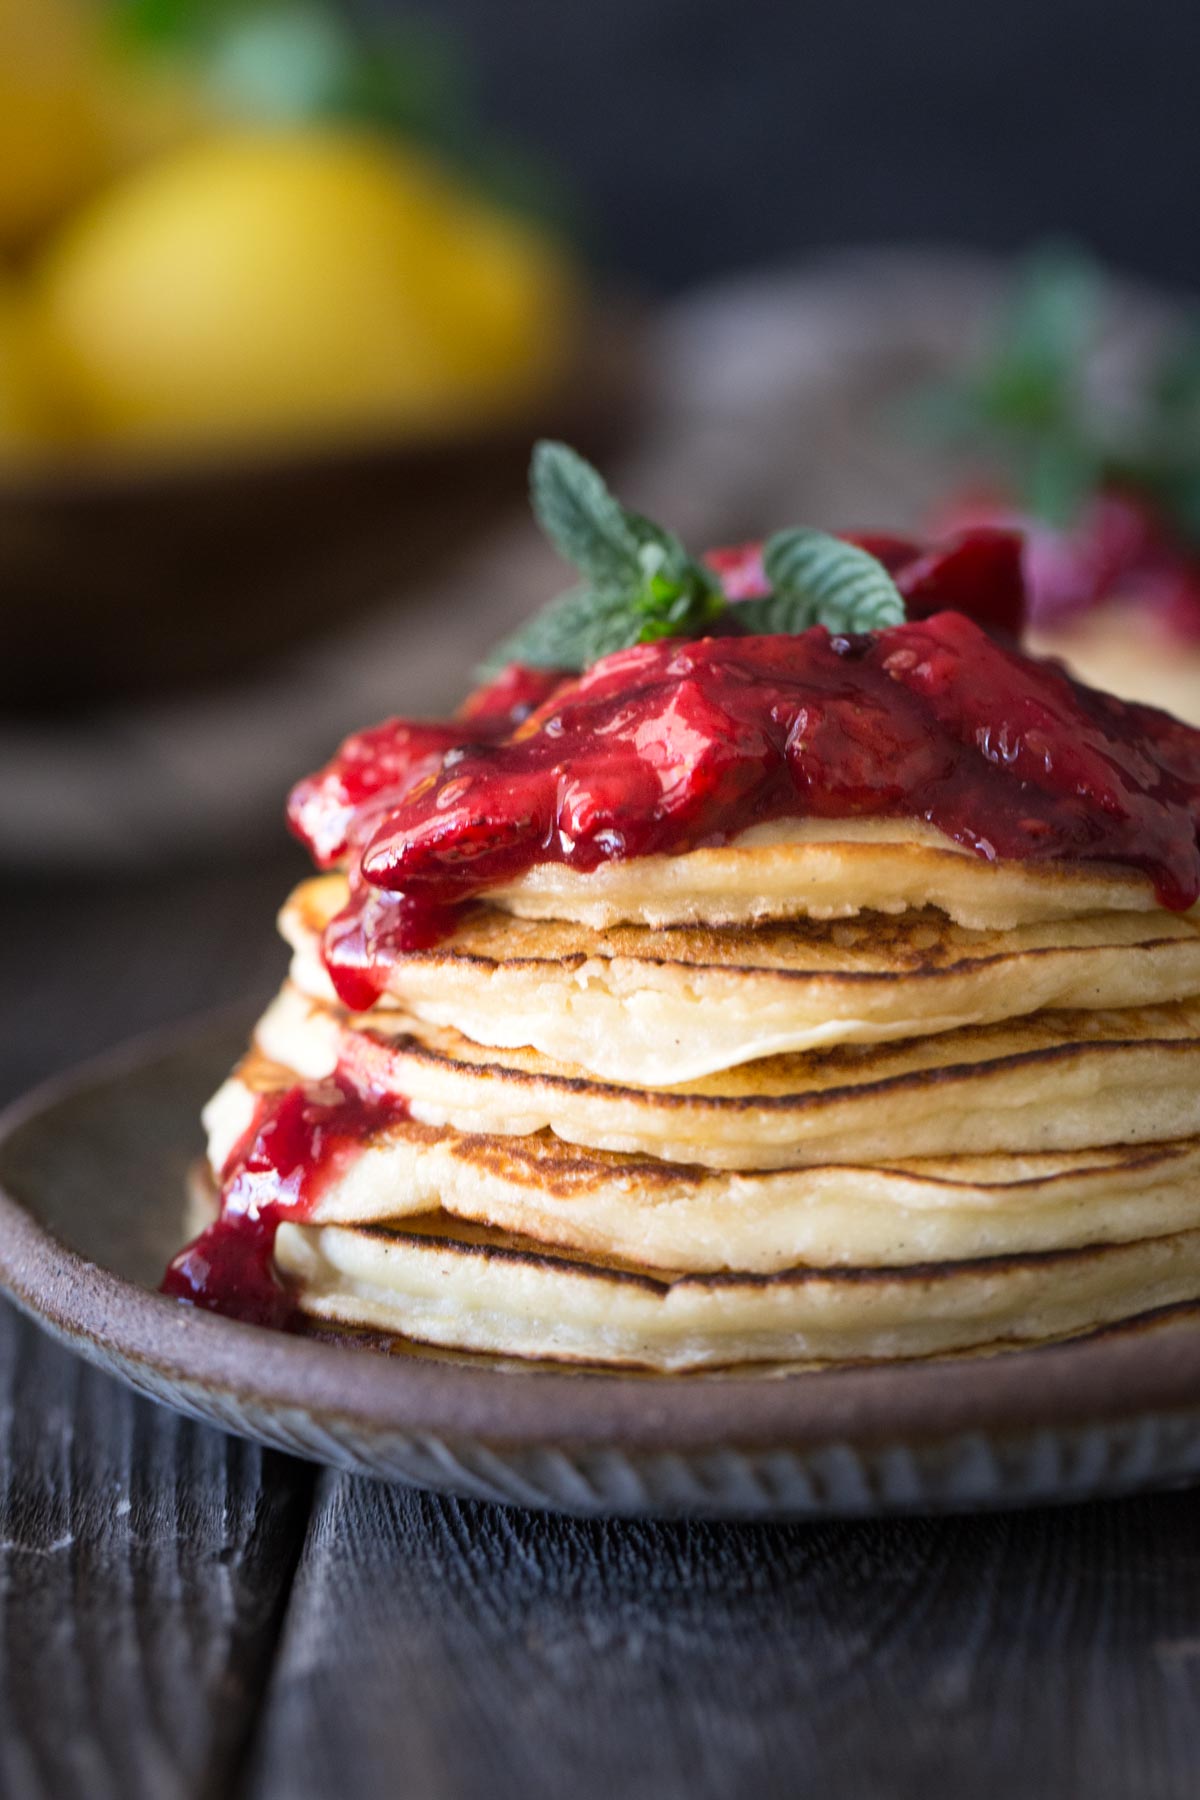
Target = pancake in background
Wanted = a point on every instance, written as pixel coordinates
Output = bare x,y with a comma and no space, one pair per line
657,1007
660,1215
1056,1081
823,869
1124,649
463,1287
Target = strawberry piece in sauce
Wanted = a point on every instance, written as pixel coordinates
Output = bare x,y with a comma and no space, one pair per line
669,746
339,806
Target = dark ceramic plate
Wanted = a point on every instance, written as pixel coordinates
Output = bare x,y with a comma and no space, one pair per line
92,1173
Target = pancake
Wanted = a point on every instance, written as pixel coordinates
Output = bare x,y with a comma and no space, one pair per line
1110,647
655,1008
1056,1081
824,869
464,1287
660,1215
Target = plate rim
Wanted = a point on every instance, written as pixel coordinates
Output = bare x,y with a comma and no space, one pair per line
124,1326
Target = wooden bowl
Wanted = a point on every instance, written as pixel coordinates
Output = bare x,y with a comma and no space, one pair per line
118,581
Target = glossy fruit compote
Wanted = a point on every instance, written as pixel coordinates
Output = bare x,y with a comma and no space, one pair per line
298,1141
670,746
674,745
1119,550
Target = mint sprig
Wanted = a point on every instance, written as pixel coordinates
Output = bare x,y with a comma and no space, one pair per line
585,522
817,579
640,584
573,632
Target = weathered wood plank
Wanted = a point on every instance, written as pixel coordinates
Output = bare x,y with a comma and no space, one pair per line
144,1568
141,953
442,1650
435,1650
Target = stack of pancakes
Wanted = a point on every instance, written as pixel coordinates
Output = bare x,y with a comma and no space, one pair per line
835,1092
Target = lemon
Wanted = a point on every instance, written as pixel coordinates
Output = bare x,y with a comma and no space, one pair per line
296,283
508,303
52,138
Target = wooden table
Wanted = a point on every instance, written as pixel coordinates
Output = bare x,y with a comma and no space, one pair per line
184,1615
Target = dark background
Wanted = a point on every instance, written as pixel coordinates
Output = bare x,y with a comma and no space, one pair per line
181,1614
707,134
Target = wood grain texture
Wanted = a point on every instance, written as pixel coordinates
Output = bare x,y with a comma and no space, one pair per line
457,1652
451,1652
144,1567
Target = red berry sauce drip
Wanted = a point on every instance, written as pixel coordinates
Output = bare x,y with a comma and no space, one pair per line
671,746
338,808
300,1140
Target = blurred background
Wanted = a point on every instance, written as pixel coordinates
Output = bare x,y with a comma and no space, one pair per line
287,288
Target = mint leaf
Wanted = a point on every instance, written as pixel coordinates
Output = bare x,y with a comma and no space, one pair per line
574,631
817,579
649,536
1044,340
281,63
676,605
642,585
586,525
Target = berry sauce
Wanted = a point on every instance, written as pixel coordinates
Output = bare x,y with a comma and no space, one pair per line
340,806
978,571
299,1140
1120,547
671,746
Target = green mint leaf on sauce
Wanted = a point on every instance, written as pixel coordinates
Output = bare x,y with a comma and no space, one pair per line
641,585
586,524
573,632
817,579
623,556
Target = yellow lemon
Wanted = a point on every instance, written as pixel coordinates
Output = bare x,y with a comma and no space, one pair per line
258,285
508,302
52,138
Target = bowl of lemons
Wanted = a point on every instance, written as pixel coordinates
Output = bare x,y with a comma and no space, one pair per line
270,341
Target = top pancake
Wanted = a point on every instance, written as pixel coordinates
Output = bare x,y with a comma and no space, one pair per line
824,869
659,1007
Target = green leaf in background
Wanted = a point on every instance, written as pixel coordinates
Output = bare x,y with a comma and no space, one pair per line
1024,401
281,61
1169,465
817,579
1025,405
1037,365
1175,388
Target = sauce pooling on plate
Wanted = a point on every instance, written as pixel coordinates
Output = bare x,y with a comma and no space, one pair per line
298,1142
671,746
